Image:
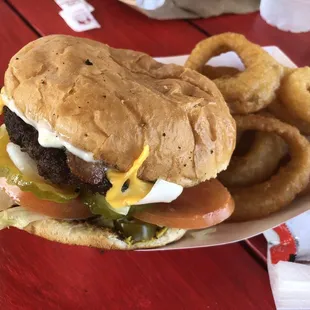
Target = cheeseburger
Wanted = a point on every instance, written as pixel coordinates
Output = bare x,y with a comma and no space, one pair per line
108,148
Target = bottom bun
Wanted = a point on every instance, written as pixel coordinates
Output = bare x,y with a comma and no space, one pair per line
85,234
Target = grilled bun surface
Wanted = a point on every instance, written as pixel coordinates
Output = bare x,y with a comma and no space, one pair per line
113,102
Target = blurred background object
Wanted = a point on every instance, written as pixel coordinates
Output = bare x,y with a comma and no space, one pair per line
287,15
77,14
177,9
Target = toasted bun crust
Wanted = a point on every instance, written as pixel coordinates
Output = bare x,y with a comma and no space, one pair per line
93,236
112,102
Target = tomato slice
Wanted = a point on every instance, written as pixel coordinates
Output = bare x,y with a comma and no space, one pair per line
73,209
197,207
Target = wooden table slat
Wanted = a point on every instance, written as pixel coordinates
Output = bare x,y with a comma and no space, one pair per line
121,27
71,277
12,29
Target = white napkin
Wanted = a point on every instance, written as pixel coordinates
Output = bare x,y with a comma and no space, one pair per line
289,263
149,4
290,283
77,14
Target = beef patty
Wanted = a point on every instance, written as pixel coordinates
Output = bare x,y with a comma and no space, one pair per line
53,163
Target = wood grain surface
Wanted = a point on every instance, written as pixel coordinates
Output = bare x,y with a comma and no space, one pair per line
39,274
121,27
14,34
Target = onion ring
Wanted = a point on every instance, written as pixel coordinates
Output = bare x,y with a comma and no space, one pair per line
305,192
295,95
258,165
219,72
252,89
279,110
262,199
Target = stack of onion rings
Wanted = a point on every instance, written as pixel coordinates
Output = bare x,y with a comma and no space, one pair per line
261,176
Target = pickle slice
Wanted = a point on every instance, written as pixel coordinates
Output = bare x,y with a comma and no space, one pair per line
41,189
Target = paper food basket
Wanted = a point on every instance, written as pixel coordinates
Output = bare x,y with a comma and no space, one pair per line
233,232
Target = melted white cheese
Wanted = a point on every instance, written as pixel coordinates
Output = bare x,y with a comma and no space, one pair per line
162,191
23,162
47,137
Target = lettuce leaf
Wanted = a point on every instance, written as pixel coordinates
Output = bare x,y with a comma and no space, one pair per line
41,189
6,201
19,217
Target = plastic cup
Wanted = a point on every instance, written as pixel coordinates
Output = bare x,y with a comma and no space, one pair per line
287,15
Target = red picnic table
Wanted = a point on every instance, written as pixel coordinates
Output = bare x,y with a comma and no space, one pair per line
39,274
